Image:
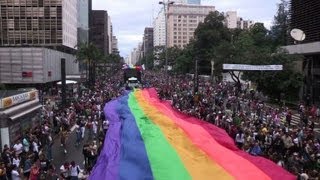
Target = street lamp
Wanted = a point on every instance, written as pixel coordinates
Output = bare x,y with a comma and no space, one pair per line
165,8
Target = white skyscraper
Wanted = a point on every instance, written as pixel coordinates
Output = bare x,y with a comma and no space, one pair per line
109,35
244,24
183,20
231,19
159,30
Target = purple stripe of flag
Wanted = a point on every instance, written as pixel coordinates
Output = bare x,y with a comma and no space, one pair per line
107,166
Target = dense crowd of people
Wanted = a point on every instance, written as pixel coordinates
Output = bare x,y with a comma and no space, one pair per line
257,128
31,156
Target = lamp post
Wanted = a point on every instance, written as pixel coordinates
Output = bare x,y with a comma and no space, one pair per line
165,8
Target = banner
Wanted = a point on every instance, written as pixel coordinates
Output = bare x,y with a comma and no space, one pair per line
246,67
17,99
148,139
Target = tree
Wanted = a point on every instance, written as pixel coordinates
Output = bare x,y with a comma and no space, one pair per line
259,50
184,62
280,28
208,37
89,54
275,83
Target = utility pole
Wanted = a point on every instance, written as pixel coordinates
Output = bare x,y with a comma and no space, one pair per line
63,82
165,10
196,76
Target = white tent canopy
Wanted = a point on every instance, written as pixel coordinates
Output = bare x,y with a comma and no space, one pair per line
68,82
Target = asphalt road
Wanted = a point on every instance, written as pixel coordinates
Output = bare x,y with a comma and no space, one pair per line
73,153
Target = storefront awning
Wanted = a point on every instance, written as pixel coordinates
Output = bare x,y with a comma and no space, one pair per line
25,112
22,109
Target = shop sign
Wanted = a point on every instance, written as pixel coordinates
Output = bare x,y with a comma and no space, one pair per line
17,99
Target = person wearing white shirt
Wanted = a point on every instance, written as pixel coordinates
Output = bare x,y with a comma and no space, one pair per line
74,171
16,160
95,128
18,147
35,146
105,126
15,174
64,169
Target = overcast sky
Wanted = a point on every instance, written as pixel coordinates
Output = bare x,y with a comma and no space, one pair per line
130,17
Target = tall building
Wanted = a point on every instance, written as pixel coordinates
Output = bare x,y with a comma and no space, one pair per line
115,49
34,36
83,21
159,30
136,54
244,24
305,15
231,19
109,35
183,20
100,31
147,41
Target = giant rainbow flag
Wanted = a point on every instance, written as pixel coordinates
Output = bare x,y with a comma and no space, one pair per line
148,139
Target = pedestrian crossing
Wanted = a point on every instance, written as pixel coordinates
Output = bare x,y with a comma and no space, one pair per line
296,122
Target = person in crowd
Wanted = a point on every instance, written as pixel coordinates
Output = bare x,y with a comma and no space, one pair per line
3,171
65,170
15,174
35,172
18,147
16,160
27,164
105,125
78,135
255,150
63,139
74,171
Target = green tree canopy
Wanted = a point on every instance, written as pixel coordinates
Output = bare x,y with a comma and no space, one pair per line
89,54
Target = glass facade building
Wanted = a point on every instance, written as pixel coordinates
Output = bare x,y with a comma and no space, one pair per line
38,23
83,21
305,15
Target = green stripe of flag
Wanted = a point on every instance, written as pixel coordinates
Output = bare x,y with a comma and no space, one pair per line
165,162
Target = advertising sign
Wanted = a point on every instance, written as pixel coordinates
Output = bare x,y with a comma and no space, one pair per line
17,99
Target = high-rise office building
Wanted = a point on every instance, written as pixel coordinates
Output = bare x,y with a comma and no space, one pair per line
34,36
159,30
109,35
244,24
100,31
305,15
231,19
83,21
183,20
115,49
44,23
147,41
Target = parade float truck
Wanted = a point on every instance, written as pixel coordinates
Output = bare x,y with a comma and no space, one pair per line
132,77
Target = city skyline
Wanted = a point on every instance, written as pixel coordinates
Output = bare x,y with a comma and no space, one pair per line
129,30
